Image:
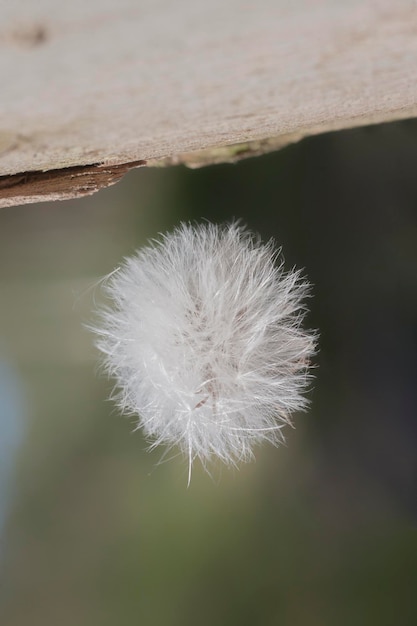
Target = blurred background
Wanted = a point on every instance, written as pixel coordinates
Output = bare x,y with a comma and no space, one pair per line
323,531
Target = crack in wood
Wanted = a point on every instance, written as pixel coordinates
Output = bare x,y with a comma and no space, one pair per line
64,183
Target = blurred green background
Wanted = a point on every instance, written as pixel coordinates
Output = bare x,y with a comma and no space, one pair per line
323,531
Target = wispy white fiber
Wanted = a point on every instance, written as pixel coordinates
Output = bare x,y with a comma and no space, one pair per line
204,338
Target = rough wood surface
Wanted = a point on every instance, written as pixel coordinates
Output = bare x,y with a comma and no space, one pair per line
90,89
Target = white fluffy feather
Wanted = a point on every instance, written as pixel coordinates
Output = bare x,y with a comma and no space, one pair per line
205,342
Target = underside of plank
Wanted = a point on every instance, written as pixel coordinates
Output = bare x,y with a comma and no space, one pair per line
93,89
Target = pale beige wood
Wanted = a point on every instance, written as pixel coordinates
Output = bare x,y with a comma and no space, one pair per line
110,85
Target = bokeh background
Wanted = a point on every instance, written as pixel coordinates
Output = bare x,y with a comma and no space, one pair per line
95,532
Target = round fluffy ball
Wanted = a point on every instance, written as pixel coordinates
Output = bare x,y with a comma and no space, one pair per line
205,341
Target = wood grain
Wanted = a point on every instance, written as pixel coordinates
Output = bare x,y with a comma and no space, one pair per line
91,89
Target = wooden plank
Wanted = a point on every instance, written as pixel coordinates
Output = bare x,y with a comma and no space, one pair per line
108,86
